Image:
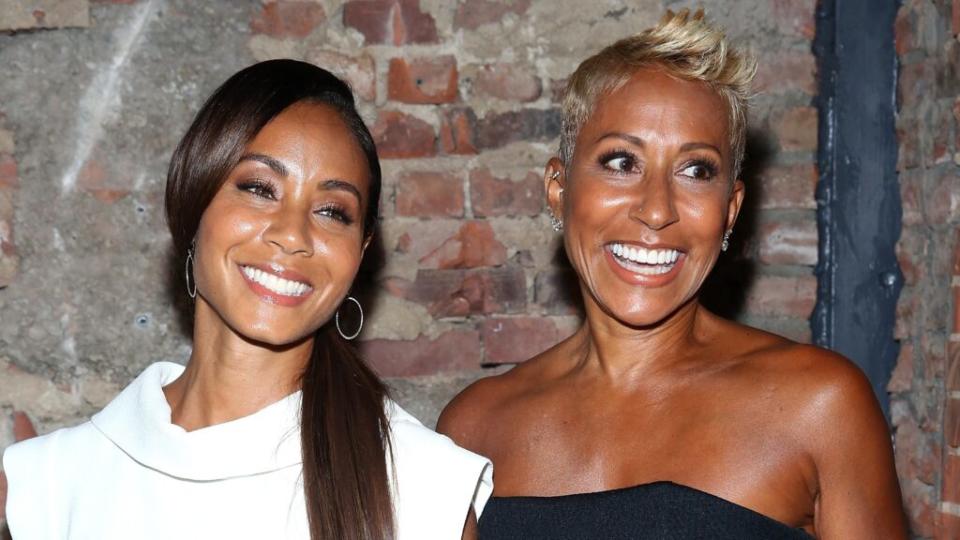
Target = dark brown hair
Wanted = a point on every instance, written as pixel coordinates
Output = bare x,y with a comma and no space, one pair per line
344,429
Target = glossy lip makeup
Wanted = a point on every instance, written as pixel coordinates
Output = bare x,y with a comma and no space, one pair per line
645,266
275,284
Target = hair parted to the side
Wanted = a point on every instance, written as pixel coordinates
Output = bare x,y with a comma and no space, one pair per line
344,431
683,45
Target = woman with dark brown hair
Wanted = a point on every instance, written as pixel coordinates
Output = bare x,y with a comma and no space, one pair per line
658,419
275,428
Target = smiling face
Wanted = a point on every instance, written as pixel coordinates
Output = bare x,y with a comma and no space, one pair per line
647,196
280,243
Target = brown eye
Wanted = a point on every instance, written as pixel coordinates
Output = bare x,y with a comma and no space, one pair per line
699,171
258,188
619,161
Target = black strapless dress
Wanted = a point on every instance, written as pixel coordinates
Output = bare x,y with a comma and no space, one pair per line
659,510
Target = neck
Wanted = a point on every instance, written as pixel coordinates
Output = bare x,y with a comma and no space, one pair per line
229,376
628,354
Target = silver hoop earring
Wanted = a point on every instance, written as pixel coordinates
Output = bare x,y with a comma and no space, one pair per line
336,320
725,244
188,270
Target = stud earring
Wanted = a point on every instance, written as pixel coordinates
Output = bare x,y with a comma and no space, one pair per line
555,175
725,244
556,223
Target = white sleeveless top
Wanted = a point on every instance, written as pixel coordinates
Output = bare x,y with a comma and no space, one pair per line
130,473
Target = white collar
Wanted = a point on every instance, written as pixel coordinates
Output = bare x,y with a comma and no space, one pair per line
138,422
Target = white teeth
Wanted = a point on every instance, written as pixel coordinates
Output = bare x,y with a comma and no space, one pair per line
274,283
646,261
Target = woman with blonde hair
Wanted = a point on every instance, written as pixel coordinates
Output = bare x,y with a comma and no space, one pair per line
659,419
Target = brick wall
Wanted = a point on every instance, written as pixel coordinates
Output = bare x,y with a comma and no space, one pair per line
463,100
925,401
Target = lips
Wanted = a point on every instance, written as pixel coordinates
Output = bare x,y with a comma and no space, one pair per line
275,284
642,265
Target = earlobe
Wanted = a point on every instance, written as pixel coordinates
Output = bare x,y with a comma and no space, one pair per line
735,203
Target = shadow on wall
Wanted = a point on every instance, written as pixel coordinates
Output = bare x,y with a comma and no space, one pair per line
725,290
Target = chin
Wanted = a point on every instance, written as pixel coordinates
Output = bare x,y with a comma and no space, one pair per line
269,335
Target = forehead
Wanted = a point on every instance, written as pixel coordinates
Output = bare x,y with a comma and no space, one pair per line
657,106
313,142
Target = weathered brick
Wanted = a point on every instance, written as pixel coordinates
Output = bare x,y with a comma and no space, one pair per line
783,71
8,171
795,17
911,196
782,296
23,427
457,127
911,253
919,500
951,479
496,196
288,18
9,260
908,135
916,80
450,351
458,293
34,14
390,21
400,135
429,194
952,380
901,380
499,129
903,30
788,242
360,72
473,246
955,20
513,340
476,13
509,82
423,80
951,423
943,201
792,186
796,129
948,526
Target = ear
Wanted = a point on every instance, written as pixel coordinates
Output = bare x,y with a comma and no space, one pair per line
554,179
735,203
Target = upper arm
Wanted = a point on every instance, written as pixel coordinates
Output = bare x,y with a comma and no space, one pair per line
859,495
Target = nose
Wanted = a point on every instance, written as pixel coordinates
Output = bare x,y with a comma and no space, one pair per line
289,230
654,203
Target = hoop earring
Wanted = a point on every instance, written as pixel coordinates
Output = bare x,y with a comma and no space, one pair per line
188,270
336,320
725,244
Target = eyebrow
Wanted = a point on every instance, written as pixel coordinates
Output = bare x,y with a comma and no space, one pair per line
637,141
342,185
273,163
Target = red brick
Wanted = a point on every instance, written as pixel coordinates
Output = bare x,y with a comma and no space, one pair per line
358,71
792,186
513,340
22,427
951,479
782,296
400,135
948,527
496,130
557,290
940,147
943,200
288,18
509,82
423,80
788,242
8,171
908,137
458,293
903,35
911,196
955,29
476,13
951,423
453,350
474,245
429,194
795,17
796,129
494,196
783,71
952,381
457,127
901,380
390,21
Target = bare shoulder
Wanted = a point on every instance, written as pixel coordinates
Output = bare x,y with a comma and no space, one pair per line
469,417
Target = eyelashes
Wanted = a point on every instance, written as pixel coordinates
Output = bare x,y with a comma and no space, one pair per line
264,190
621,162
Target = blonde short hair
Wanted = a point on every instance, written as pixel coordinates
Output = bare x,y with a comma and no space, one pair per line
685,46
